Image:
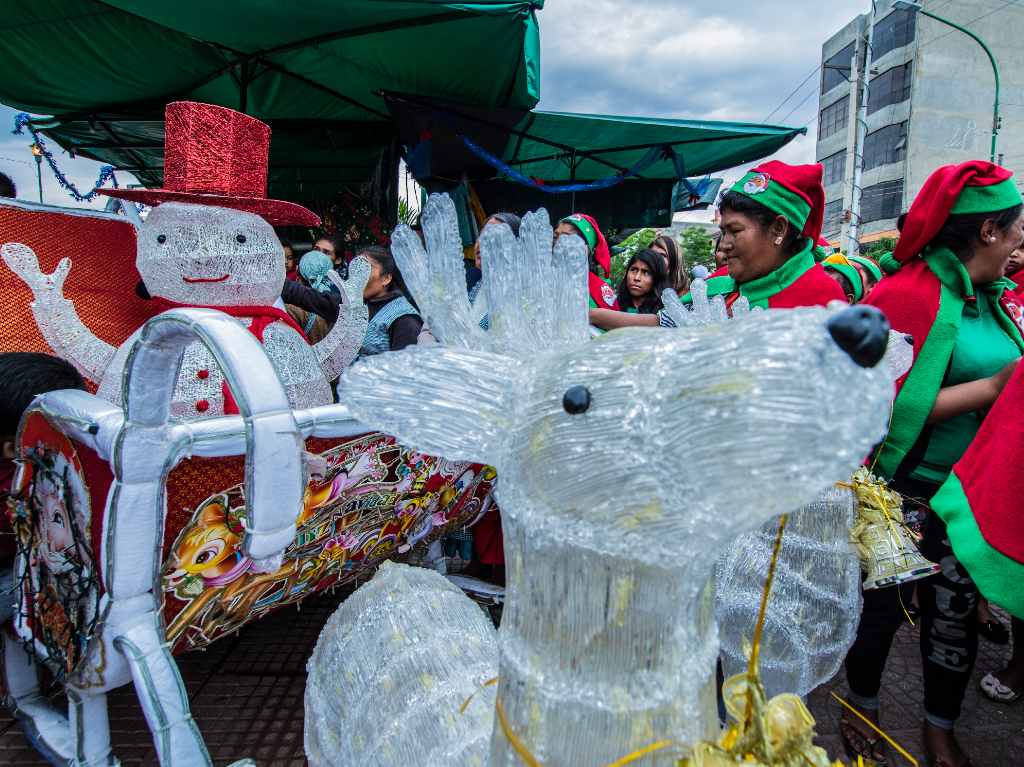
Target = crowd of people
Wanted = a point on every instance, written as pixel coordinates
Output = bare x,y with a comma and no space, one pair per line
953,283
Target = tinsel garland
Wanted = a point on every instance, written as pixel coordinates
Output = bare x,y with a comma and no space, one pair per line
21,121
653,155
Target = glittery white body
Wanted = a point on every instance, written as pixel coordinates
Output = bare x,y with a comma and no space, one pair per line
614,517
198,255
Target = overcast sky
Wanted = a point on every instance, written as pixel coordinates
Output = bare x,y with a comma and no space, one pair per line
658,58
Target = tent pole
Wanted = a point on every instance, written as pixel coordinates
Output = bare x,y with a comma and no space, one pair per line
243,86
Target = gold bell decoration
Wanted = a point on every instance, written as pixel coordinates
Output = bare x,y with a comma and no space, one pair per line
886,546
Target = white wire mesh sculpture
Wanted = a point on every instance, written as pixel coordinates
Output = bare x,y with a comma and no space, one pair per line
626,465
815,601
440,652
199,255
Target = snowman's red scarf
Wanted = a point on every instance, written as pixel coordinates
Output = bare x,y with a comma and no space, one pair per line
262,317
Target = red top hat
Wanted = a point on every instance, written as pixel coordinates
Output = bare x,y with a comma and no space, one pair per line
217,156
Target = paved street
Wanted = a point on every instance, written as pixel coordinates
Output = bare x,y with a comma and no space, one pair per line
246,694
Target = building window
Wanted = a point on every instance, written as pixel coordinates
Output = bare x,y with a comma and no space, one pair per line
835,168
836,69
886,145
890,87
833,118
881,201
894,31
833,220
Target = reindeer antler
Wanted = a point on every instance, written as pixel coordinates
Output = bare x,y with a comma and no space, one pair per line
536,294
436,276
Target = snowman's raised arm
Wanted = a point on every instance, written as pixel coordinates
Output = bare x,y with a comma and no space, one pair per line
339,347
55,316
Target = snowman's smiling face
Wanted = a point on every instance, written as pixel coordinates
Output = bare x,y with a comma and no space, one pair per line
208,256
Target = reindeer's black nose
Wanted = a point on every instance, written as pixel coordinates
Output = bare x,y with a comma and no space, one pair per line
862,332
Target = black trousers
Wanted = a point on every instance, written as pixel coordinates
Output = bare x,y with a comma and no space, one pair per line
948,625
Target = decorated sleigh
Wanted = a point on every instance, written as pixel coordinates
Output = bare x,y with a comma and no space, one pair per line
141,535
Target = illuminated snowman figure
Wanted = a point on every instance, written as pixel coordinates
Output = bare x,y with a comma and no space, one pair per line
208,243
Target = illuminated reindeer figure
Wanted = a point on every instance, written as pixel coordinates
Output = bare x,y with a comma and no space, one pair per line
626,464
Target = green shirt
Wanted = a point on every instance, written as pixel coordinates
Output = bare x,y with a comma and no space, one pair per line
982,348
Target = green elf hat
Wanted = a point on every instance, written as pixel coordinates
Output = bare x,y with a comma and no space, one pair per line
792,191
975,186
840,265
872,268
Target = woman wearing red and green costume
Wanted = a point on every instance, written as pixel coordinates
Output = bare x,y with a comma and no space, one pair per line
950,296
770,220
602,294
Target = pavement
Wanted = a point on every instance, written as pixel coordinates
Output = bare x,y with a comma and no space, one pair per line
247,698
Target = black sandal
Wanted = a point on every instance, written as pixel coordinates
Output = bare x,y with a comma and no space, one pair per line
857,744
994,631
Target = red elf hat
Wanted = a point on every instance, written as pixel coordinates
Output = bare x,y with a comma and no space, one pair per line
792,191
217,156
975,186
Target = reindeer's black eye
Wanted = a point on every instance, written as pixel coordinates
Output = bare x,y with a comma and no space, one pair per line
161,238
576,400
240,238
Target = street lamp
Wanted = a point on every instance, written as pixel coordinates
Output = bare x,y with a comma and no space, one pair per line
907,5
37,153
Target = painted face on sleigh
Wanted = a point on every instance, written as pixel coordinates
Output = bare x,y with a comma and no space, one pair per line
58,547
207,256
210,550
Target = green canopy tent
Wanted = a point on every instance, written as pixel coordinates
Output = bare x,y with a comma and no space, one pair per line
444,143
324,74
314,70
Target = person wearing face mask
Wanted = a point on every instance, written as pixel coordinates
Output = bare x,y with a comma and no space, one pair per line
951,297
770,220
394,323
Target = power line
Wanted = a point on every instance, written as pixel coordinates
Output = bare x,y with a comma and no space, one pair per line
985,15
813,72
791,111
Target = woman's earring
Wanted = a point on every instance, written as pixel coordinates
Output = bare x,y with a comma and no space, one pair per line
778,240
991,239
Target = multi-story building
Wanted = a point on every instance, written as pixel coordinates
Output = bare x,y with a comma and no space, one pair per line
930,99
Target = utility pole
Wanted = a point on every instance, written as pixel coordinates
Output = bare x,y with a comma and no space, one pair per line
853,232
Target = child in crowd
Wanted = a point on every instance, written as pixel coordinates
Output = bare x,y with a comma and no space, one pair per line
23,375
675,263
644,280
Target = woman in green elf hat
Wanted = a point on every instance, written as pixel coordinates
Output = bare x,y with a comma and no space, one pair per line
950,296
870,272
840,269
602,294
770,220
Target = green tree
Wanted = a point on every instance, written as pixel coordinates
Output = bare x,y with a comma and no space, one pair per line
878,247
698,247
